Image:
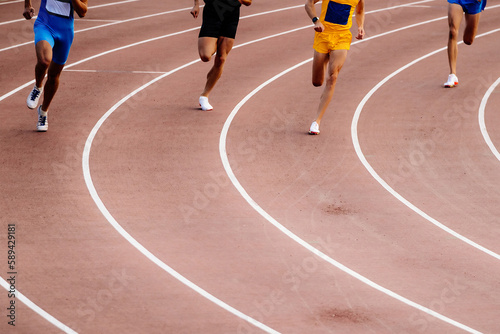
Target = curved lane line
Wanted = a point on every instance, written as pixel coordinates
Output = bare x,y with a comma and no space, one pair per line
482,123
10,2
37,309
297,239
262,212
132,240
359,152
154,15
104,25
85,164
90,7
3,97
123,232
2,281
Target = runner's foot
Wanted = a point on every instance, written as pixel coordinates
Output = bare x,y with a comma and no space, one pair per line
205,106
32,101
43,123
452,81
314,130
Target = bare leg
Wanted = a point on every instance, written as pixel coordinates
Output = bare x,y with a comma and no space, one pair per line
51,85
207,46
320,61
44,57
337,59
455,14
224,46
472,23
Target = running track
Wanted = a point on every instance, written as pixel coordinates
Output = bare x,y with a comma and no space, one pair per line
138,213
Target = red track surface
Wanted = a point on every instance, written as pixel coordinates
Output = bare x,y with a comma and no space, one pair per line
156,166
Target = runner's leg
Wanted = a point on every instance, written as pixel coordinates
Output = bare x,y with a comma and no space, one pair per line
455,14
337,59
50,89
472,23
320,61
224,46
44,58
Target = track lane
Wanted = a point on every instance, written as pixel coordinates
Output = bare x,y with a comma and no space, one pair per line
223,103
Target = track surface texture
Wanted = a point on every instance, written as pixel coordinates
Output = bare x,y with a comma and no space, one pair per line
139,213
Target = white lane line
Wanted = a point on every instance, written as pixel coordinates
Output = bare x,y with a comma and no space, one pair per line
90,7
109,71
106,25
9,2
125,234
112,4
145,17
33,306
17,20
32,82
128,237
135,44
482,123
99,20
362,158
85,162
3,97
290,234
189,8
37,309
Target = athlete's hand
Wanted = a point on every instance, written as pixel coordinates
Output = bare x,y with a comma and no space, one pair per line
361,33
195,11
29,12
319,27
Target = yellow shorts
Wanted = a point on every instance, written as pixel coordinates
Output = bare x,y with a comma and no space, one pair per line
324,42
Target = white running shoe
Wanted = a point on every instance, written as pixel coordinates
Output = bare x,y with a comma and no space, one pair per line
314,130
34,96
205,106
43,123
452,81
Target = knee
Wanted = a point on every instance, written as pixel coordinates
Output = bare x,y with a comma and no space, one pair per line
453,33
332,78
43,62
205,58
468,40
317,82
220,60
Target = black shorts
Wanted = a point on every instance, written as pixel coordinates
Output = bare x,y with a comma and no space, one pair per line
220,18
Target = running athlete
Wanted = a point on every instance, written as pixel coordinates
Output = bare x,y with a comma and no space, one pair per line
331,43
54,32
218,30
456,10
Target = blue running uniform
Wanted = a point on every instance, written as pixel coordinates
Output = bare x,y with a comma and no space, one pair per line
471,7
55,24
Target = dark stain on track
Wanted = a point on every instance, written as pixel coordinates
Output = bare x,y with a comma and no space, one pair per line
342,316
338,209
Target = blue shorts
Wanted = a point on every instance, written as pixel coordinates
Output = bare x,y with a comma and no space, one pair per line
470,6
60,40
